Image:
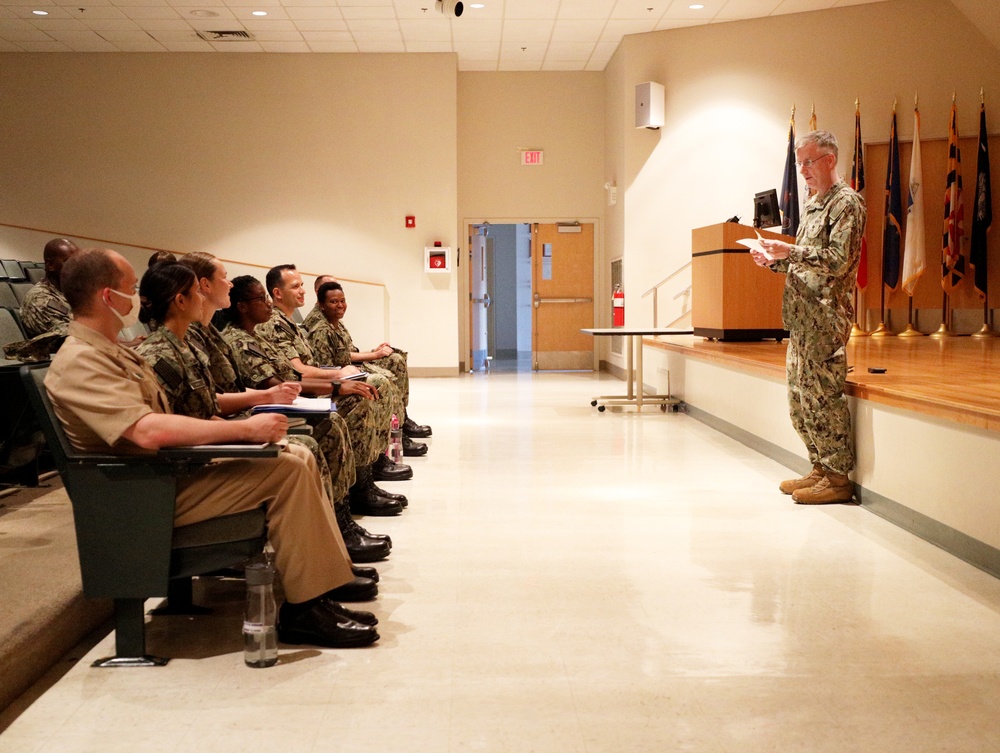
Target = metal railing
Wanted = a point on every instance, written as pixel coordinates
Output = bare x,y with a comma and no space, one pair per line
655,290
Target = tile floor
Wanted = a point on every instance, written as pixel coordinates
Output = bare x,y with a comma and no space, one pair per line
566,581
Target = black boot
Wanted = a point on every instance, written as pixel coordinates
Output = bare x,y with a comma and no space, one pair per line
398,498
365,572
413,449
383,469
360,529
412,429
361,548
364,497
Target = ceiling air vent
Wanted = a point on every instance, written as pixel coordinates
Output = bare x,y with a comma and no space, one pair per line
226,36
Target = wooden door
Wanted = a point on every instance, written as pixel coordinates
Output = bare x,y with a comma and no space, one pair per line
562,296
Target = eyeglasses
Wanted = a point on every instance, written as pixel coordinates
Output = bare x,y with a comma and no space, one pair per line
255,298
811,162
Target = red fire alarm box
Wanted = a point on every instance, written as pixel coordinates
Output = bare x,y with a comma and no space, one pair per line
411,221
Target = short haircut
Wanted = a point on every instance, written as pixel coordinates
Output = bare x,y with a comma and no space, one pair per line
57,248
159,257
203,264
325,288
822,139
87,272
273,279
319,281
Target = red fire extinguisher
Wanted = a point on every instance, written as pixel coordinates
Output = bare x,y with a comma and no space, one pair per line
618,307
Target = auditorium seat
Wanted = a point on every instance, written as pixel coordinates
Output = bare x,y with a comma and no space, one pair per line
12,270
7,298
36,272
20,288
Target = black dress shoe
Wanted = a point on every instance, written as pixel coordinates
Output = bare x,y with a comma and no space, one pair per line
359,589
365,572
412,429
317,624
384,469
368,502
358,615
355,526
413,449
361,547
400,499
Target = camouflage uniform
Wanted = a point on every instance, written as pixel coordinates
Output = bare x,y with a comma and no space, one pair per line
330,436
817,310
332,344
44,309
261,356
314,317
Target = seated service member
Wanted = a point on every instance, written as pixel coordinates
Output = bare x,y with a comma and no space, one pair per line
331,343
108,401
262,365
170,295
284,285
330,440
45,308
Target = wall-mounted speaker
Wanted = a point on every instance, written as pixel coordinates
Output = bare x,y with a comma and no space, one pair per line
649,105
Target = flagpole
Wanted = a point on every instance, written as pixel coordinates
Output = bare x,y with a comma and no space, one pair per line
857,181
881,330
856,329
944,330
986,331
910,330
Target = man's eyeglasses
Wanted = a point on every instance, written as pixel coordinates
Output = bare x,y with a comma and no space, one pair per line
811,162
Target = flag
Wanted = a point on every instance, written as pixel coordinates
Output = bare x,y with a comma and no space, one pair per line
893,213
915,248
858,184
812,119
952,261
982,216
790,187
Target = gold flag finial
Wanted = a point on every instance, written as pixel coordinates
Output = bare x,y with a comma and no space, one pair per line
857,104
894,102
982,96
916,99
953,97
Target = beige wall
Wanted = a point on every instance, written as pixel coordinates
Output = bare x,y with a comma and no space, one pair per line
729,90
314,159
499,113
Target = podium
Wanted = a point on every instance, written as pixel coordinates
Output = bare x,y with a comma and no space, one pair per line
733,298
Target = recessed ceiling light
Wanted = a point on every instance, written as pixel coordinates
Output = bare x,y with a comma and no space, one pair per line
40,12
477,5
259,13
696,6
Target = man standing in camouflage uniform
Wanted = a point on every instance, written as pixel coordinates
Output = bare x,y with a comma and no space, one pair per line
821,269
45,308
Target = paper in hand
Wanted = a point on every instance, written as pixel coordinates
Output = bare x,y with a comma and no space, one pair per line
754,244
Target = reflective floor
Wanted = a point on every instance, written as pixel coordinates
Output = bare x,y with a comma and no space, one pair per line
569,581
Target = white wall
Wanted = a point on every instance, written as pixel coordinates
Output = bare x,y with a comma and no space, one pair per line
310,159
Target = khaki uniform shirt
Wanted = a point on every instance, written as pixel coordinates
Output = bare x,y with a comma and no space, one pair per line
99,389
44,309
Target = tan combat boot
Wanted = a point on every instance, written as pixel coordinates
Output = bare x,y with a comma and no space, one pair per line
833,488
813,477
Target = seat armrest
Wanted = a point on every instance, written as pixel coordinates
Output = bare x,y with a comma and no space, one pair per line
207,452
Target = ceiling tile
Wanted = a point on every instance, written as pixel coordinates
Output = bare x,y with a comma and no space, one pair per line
577,31
236,47
546,9
332,46
373,24
146,13
641,9
419,30
304,12
60,24
741,9
801,6
369,12
428,46
615,30
324,26
50,45
276,25
289,46
530,31
491,30
133,41
587,9
84,41
570,51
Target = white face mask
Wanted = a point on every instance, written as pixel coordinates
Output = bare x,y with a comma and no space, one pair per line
132,317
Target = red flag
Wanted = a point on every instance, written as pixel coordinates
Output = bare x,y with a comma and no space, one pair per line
858,184
952,260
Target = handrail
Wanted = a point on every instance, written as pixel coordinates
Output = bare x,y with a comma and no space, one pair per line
666,279
106,242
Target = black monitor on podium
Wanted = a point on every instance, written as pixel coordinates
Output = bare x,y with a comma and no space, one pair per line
766,212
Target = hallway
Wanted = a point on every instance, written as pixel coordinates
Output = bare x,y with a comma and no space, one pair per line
572,582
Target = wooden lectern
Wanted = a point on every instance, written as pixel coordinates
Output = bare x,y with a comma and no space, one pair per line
733,298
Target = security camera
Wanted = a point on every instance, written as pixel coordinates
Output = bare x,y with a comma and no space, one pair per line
450,8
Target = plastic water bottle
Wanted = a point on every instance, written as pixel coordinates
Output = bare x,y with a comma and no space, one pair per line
395,440
260,636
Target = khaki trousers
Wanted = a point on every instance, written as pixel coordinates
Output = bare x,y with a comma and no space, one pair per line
309,550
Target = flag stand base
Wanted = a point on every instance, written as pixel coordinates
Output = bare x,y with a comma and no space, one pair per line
856,331
882,331
985,332
943,331
910,331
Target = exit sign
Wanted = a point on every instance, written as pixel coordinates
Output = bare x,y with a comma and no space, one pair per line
531,156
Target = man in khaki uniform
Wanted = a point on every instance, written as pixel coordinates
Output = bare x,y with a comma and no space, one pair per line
821,268
108,400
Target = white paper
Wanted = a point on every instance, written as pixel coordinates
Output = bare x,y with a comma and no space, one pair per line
754,244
